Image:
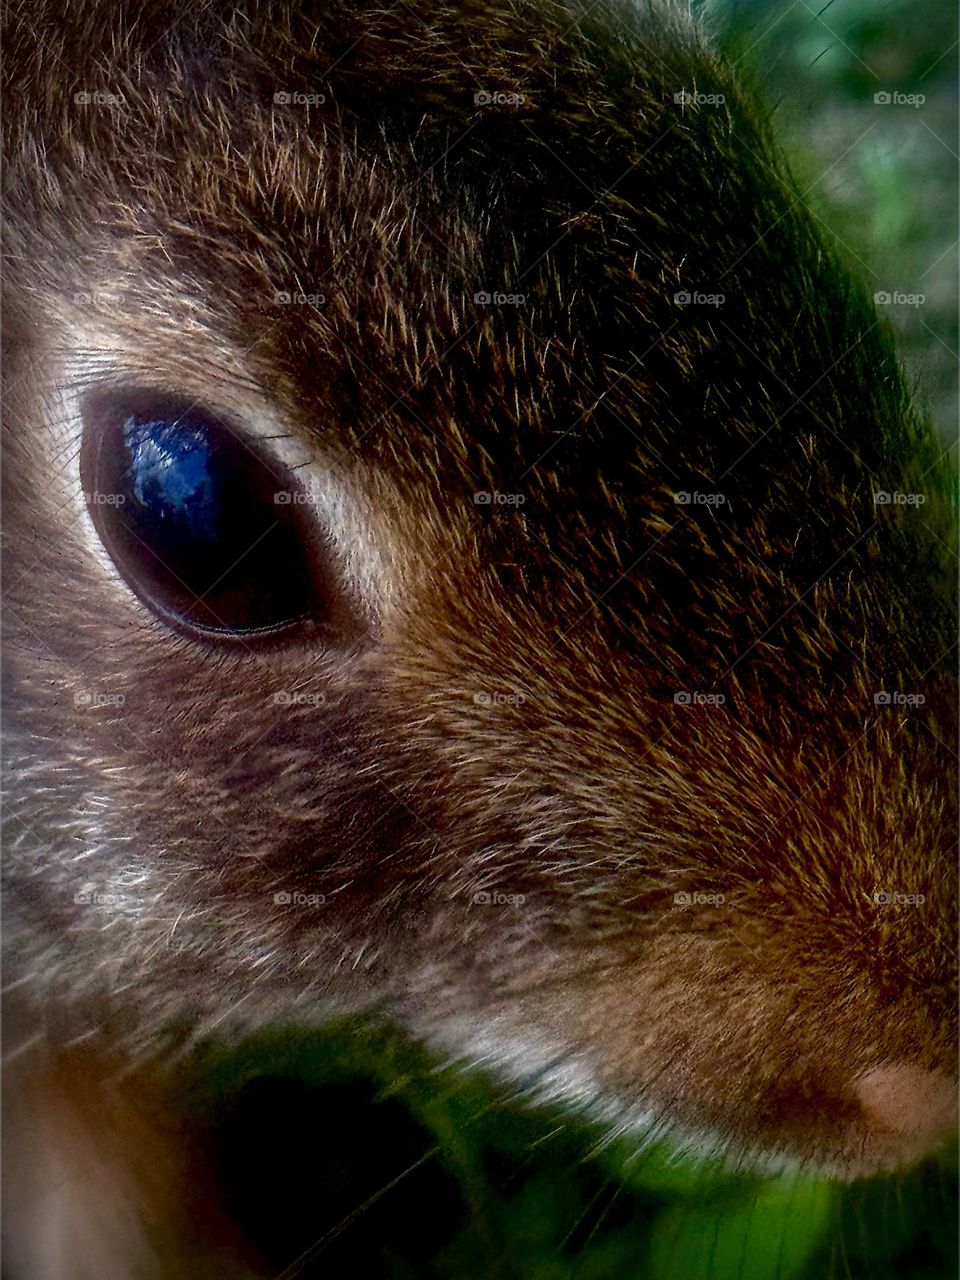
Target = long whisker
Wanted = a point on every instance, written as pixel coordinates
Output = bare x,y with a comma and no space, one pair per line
299,1264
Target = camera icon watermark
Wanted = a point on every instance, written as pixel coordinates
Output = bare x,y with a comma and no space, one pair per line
295,498
286,898
693,698
298,698
884,498
895,698
96,98
296,98
97,499
686,98
883,899
85,700
686,298
898,298
698,898
499,698
496,298
893,98
687,498
496,898
498,98
288,298
107,898
484,498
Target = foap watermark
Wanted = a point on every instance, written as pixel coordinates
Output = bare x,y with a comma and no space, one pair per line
897,298
496,298
688,98
289,298
293,898
693,698
687,498
499,698
494,498
295,498
894,98
698,898
298,698
896,698
90,700
498,98
95,299
497,898
97,98
894,498
298,98
97,499
883,899
93,897
694,298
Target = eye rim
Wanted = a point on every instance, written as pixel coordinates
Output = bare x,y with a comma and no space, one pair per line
328,615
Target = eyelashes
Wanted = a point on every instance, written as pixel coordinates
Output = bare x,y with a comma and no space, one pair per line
197,521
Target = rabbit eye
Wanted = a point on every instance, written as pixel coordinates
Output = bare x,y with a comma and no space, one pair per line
197,522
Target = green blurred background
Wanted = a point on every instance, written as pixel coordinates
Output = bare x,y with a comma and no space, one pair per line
352,1153
351,1150
882,178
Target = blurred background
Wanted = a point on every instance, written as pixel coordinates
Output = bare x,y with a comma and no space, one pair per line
880,175
351,1152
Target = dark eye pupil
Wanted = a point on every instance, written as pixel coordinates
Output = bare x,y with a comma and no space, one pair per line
189,513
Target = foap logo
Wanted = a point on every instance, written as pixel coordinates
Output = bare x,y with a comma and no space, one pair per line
499,698
883,899
286,898
686,298
485,498
498,98
97,499
86,701
692,698
295,498
95,299
897,298
298,698
286,298
496,898
686,498
86,98
495,298
698,898
893,98
895,698
686,98
297,98
91,896
894,498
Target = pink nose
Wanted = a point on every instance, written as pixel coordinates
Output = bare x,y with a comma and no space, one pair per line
909,1102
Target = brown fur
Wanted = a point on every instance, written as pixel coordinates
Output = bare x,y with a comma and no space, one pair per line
177,216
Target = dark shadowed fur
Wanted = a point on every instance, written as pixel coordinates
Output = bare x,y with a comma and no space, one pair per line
498,680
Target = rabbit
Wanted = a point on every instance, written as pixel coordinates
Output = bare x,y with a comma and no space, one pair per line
472,559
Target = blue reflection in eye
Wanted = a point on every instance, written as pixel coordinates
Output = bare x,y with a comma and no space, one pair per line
197,529
172,469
